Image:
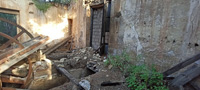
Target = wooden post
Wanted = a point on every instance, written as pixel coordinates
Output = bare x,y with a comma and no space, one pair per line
0,83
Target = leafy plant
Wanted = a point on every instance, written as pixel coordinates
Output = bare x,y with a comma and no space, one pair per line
120,61
142,78
42,6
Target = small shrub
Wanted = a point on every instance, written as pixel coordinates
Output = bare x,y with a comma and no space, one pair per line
142,78
139,77
121,61
42,6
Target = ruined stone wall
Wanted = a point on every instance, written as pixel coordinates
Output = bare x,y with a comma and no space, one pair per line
160,32
77,12
54,15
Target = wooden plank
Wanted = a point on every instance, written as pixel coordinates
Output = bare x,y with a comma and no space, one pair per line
0,84
96,6
51,49
186,76
181,65
8,88
196,83
68,75
11,79
8,53
18,56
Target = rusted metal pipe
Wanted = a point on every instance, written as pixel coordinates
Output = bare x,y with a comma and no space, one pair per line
17,25
12,39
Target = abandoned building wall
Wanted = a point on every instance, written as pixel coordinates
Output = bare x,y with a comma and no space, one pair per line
36,21
160,32
78,13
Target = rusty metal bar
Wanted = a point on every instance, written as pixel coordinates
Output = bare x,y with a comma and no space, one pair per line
29,76
17,25
12,39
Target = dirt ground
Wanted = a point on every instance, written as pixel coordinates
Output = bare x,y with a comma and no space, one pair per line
82,64
86,65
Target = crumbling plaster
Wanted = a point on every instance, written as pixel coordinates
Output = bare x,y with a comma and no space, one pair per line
161,32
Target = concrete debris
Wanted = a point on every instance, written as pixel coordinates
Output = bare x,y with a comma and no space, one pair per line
20,71
85,58
88,68
85,84
78,58
94,66
63,59
43,67
110,66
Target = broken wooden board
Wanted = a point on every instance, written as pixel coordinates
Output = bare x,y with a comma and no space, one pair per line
186,76
196,83
30,47
11,79
182,65
51,49
67,74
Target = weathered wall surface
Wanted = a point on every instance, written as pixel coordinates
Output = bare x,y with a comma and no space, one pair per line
162,32
78,13
54,16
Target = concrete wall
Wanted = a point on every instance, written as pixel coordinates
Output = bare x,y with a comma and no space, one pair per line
28,11
160,32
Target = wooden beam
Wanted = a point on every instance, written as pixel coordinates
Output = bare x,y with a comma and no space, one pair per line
196,83
96,6
181,65
8,53
68,75
51,49
11,79
8,88
186,76
0,83
20,55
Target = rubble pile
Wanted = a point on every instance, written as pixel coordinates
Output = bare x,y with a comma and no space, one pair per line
79,58
79,61
71,70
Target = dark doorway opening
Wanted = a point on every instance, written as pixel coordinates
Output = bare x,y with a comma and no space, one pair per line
70,21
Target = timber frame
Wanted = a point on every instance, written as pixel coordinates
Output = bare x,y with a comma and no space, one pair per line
9,56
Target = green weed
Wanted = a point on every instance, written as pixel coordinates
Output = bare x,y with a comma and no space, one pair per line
42,6
140,77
